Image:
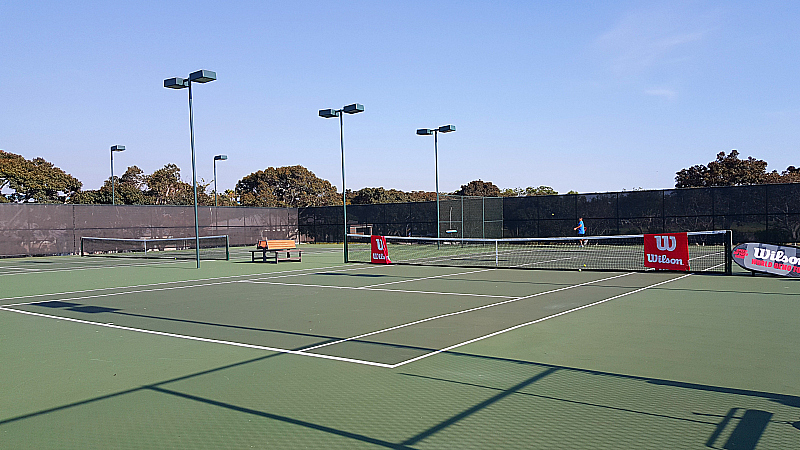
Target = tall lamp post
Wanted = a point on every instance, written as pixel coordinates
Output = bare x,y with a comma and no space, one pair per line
330,113
201,76
217,158
435,132
115,148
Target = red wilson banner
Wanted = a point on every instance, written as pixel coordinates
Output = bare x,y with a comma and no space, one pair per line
380,254
667,251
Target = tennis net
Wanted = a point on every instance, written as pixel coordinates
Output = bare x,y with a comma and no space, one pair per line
709,251
211,247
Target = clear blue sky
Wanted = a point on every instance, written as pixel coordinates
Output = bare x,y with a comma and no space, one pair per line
586,96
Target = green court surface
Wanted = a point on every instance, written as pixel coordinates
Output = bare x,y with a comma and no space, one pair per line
101,352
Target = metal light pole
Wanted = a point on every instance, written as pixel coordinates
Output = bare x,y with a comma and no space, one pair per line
435,132
115,148
329,113
201,76
217,158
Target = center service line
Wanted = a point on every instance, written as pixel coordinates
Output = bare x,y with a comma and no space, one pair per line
531,322
465,311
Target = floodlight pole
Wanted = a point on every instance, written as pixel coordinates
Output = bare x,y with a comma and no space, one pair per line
115,148
329,113
200,76
217,158
435,133
113,182
344,190
438,210
194,180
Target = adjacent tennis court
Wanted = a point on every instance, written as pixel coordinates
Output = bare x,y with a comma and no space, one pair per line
126,352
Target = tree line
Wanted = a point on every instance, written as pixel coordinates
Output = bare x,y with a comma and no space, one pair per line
730,170
40,181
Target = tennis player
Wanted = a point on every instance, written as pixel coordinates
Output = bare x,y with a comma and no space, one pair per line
581,231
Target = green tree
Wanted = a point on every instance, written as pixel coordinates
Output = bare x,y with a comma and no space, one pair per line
479,188
131,189
227,198
421,196
726,170
165,184
291,186
528,191
166,188
35,180
368,196
134,187
88,197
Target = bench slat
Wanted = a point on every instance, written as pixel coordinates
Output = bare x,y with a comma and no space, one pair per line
276,244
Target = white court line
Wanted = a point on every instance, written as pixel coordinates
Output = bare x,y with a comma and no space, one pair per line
114,294
357,361
427,278
516,299
530,323
360,288
541,262
112,266
30,269
200,280
195,338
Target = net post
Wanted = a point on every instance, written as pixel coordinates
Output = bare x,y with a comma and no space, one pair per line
728,250
145,247
81,245
227,249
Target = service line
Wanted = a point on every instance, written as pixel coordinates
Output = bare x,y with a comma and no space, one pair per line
512,300
496,333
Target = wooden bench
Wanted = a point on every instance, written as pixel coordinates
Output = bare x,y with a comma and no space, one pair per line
273,249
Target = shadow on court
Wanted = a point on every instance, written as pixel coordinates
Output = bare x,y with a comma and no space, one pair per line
746,419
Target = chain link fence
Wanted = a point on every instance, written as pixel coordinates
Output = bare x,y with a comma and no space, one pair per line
37,229
767,213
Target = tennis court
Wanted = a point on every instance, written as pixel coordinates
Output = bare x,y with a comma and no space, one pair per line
120,352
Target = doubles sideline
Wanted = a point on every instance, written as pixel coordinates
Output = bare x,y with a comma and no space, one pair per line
307,351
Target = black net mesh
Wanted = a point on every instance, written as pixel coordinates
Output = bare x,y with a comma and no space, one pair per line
558,207
459,216
210,247
707,252
688,202
27,229
763,213
738,200
597,205
31,229
637,204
